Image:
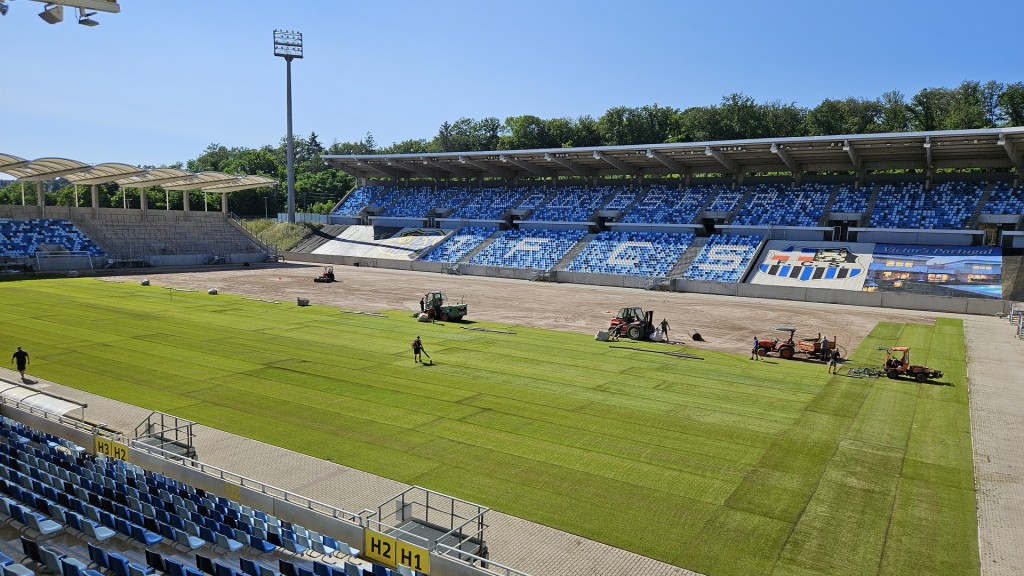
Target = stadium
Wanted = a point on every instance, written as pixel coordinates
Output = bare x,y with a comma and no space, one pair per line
745,338
300,438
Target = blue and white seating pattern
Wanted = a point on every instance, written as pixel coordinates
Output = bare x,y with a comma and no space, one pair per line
533,199
726,200
724,258
665,205
22,238
631,253
408,202
850,199
1004,199
947,206
357,200
458,244
490,203
539,249
780,205
620,198
570,204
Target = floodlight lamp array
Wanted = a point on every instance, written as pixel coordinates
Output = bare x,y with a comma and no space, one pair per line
287,44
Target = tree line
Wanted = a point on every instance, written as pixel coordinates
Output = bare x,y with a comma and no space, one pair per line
971,105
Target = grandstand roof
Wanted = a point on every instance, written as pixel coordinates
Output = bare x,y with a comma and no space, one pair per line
987,148
127,175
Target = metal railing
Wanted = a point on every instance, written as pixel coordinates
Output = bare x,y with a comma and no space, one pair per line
246,482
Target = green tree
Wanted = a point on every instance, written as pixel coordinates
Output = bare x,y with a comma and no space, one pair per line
1011,104
895,112
928,108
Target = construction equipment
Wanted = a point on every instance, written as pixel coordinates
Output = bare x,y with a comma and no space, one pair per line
327,276
633,323
437,307
897,364
789,347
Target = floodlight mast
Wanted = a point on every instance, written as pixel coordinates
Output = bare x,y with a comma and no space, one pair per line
288,45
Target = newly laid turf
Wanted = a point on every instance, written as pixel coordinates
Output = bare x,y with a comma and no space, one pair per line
721,465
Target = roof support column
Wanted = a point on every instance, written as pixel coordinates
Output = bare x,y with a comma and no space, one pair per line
76,195
95,201
143,201
185,202
223,203
167,199
41,198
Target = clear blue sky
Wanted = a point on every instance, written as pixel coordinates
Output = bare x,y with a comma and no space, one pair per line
163,79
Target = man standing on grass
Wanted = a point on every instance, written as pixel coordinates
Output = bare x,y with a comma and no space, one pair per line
833,361
22,359
664,328
417,347
755,353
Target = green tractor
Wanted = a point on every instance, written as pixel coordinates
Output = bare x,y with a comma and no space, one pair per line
437,307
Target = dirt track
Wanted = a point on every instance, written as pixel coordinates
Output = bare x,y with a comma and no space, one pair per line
726,323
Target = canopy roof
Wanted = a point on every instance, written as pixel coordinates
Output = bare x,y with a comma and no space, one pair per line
27,398
126,175
986,148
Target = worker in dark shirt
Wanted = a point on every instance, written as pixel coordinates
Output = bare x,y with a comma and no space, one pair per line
21,358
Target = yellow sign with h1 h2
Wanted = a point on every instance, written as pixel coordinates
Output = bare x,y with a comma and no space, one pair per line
391,552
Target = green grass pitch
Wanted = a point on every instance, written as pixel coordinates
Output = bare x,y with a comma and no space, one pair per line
720,465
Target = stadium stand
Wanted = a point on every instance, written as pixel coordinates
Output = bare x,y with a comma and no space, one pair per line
459,244
357,200
631,253
490,203
532,200
570,204
666,205
50,487
724,258
726,199
1004,199
538,249
23,238
408,202
850,199
948,206
207,234
780,205
620,198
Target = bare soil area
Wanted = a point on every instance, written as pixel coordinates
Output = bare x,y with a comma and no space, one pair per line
726,323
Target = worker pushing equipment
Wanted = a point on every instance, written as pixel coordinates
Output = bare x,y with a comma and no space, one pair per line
417,348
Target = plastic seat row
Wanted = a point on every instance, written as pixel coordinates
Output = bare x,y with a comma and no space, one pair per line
631,253
188,533
490,203
22,238
1004,199
781,205
458,244
537,249
724,258
665,205
570,204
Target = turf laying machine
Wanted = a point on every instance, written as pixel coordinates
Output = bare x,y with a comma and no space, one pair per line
897,364
437,307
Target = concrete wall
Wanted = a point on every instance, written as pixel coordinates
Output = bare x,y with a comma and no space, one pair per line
984,306
923,237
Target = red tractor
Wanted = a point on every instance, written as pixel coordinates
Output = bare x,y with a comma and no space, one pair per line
633,323
789,347
897,364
